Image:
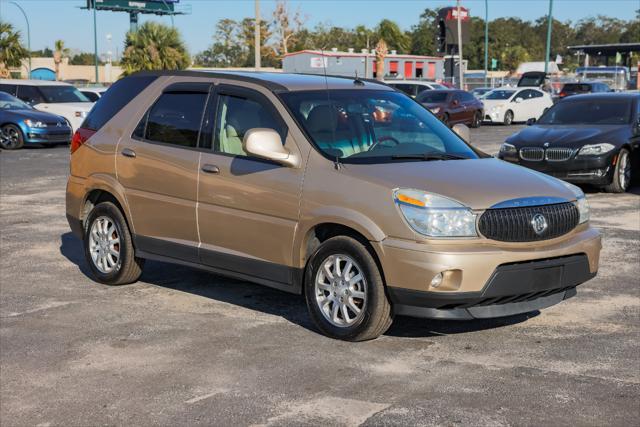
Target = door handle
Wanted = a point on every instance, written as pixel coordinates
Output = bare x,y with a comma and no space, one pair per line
210,169
128,152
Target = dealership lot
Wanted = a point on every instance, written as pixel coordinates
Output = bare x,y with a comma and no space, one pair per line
185,346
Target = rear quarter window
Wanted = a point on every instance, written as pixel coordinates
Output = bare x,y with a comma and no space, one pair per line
114,99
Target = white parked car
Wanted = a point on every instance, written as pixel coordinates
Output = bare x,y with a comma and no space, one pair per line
58,98
93,93
507,104
414,87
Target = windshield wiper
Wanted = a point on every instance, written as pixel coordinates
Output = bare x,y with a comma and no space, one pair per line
428,156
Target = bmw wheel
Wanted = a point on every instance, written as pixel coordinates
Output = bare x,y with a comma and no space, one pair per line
345,291
621,173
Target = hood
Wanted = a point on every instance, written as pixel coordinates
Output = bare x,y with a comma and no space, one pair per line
477,183
36,115
566,135
490,103
66,106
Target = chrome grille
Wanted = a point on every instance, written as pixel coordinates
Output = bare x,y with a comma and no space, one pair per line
558,154
532,154
515,224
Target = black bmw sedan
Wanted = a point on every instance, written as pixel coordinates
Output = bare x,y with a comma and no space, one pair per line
591,139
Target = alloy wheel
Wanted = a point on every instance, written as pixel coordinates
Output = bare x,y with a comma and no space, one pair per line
341,290
104,245
624,170
10,138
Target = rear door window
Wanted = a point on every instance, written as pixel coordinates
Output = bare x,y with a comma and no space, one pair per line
30,95
174,119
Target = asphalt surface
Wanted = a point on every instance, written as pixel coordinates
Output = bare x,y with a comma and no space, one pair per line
188,347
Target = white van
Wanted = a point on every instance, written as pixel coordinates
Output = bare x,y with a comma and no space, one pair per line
58,98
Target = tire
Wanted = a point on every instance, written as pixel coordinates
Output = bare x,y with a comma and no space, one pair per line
367,294
477,120
126,268
445,119
621,173
11,138
508,118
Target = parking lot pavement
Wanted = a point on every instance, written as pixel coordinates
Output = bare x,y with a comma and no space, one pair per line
187,347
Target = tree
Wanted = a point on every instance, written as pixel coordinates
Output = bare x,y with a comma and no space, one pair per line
12,51
267,53
423,35
381,54
154,47
227,49
84,58
393,36
59,54
287,26
512,56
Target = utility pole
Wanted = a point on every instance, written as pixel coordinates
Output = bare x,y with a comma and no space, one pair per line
28,34
460,66
257,36
549,24
486,41
95,41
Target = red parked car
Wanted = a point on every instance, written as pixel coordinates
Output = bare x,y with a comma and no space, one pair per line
453,106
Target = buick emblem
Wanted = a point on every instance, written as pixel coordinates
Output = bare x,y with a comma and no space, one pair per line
539,224
545,145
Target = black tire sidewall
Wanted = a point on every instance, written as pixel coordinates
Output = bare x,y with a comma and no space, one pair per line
616,186
111,211
507,115
20,137
375,286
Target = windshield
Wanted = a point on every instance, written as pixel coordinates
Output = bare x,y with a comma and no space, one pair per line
438,86
8,102
499,94
576,87
604,112
59,94
372,126
428,96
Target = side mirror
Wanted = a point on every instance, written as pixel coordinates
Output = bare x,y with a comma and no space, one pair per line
267,144
518,100
462,131
531,121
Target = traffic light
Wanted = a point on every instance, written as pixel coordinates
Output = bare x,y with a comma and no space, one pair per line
441,38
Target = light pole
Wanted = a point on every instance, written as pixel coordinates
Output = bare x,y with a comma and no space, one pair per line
95,40
256,36
460,66
486,41
549,24
28,33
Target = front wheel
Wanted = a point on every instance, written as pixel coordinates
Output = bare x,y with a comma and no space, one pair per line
345,291
621,173
508,118
11,137
108,246
477,120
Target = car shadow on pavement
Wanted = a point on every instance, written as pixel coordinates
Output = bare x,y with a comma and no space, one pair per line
271,301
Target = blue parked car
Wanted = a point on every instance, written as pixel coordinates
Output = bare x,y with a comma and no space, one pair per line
22,124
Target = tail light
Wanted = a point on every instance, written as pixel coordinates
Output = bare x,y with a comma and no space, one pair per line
81,136
562,94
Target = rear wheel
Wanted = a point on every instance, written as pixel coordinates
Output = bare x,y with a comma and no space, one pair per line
477,120
11,137
621,173
508,118
345,291
108,246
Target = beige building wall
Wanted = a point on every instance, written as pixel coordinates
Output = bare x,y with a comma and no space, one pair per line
107,73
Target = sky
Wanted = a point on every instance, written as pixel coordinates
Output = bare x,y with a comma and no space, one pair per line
51,20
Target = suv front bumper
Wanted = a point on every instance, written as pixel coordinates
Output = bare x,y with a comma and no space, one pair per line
486,278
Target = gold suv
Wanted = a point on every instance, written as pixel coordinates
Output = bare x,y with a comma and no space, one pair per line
343,190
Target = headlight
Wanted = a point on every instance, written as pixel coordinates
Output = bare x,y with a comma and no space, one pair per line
82,114
507,148
435,110
434,215
581,201
496,108
595,149
35,124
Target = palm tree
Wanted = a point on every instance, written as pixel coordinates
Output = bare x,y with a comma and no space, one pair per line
381,54
12,51
59,53
154,47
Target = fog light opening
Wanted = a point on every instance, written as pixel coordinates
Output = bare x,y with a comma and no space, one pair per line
437,280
